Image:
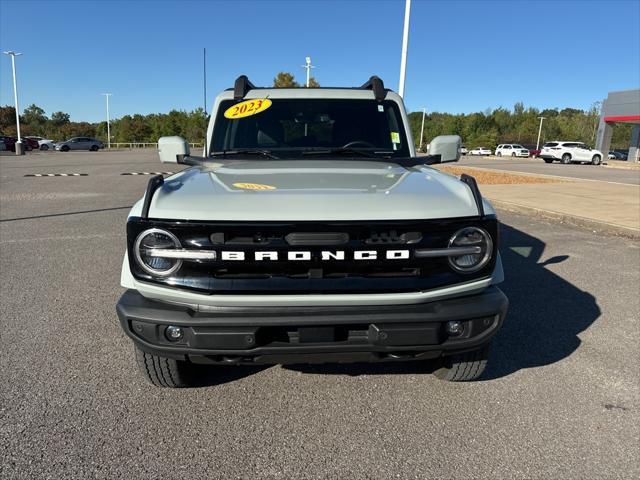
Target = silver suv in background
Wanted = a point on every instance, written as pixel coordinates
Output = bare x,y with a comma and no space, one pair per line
512,150
80,143
570,152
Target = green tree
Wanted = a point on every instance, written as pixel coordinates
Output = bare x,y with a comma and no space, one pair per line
34,118
285,80
59,118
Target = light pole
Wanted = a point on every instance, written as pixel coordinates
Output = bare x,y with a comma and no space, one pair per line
18,146
424,112
308,66
107,95
405,46
539,132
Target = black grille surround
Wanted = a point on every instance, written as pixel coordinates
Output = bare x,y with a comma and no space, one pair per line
316,276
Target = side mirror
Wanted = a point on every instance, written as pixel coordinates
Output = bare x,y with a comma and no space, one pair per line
172,149
446,146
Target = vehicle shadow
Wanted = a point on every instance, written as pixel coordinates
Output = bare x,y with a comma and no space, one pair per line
546,314
213,375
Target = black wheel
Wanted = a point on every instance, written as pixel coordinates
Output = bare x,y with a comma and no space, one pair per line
596,160
513,154
566,159
463,366
164,372
548,160
27,147
94,148
499,154
64,148
44,148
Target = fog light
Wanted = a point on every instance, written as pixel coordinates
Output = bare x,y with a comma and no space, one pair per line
454,328
173,334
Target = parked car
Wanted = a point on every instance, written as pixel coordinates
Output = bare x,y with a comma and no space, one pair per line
3,147
611,156
533,150
9,142
43,143
570,152
480,151
511,150
80,143
463,150
30,143
618,155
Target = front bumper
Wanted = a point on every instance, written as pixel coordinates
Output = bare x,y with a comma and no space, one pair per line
317,334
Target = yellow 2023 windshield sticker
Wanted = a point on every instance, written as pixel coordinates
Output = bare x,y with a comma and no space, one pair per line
253,186
247,108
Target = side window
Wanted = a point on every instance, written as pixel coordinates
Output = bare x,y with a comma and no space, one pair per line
508,147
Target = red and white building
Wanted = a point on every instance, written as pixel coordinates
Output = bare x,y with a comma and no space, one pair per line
620,107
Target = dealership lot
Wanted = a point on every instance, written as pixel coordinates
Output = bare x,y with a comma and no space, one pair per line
538,167
560,399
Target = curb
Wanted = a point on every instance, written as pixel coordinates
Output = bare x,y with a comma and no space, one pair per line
595,225
634,167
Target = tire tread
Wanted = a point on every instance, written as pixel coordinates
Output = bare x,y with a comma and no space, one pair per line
162,371
465,366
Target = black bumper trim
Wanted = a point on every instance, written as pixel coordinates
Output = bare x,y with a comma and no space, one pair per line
273,334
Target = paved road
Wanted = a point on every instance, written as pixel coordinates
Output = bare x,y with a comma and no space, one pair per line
560,399
535,165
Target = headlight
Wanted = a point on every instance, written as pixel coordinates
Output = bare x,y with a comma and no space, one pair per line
471,237
151,239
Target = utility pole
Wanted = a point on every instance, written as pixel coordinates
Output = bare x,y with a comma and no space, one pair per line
424,112
539,132
18,144
107,95
204,82
308,66
405,46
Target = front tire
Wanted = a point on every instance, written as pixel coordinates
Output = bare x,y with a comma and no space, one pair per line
566,159
463,367
513,154
44,148
164,372
94,148
596,160
64,148
499,154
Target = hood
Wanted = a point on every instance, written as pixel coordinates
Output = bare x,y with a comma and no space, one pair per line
319,190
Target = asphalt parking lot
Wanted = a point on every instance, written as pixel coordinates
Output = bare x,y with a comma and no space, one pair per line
560,399
539,167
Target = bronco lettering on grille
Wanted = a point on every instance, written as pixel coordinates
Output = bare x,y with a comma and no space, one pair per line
325,255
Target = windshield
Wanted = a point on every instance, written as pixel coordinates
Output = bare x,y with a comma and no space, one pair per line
288,127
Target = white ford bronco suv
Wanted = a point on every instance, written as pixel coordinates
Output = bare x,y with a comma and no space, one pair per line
310,232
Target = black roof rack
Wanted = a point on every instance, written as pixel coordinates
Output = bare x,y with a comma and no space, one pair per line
376,84
241,87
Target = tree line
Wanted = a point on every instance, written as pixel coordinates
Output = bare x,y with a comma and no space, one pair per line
486,129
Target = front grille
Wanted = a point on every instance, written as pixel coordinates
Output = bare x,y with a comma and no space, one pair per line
315,275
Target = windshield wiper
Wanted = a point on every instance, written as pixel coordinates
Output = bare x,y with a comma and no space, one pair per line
347,151
245,151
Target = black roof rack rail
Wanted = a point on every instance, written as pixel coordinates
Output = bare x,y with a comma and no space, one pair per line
154,184
477,196
376,84
241,87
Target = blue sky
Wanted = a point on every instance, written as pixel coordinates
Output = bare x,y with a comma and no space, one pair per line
464,56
